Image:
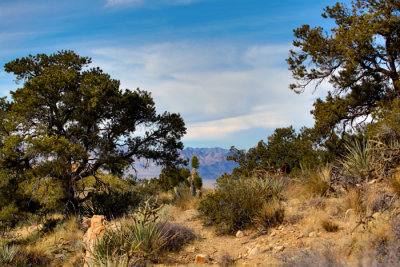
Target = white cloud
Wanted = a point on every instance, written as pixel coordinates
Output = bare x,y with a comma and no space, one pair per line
219,89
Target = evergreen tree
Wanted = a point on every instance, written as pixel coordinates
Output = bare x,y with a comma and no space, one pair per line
69,122
359,57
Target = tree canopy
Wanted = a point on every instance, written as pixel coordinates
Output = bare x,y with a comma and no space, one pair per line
284,148
195,162
68,122
359,57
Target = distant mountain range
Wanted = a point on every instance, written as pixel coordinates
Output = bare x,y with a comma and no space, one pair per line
213,163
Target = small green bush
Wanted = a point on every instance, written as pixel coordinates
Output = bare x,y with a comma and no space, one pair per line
112,204
236,203
198,182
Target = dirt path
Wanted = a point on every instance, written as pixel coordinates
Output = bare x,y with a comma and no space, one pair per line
246,251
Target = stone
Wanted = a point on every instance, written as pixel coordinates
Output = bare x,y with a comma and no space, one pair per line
349,213
376,215
201,258
273,234
312,234
278,249
372,181
300,236
239,234
254,251
95,231
191,249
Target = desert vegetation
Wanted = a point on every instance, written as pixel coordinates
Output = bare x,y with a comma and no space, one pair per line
322,196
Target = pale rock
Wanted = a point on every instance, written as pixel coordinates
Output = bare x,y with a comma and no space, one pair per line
376,215
278,249
254,251
201,258
95,231
239,234
300,236
372,181
349,214
273,234
312,234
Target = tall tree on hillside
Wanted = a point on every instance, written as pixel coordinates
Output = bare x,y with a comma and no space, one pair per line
359,57
68,122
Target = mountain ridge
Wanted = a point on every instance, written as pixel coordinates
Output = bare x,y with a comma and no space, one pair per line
212,161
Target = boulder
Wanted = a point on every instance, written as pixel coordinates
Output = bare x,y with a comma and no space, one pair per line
201,258
239,234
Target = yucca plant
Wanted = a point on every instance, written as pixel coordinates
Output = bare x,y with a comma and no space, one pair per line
358,161
8,254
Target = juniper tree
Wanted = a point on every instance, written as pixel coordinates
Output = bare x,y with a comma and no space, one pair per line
359,57
68,122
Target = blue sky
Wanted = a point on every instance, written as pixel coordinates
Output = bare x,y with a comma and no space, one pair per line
219,63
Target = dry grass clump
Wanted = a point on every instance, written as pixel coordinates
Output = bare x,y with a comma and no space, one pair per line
329,226
394,183
185,200
354,200
176,236
226,260
270,215
315,182
315,258
53,245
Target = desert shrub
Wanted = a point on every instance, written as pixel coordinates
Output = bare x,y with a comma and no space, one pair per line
176,236
236,203
315,258
112,204
198,182
131,240
136,241
354,200
384,245
329,226
358,162
140,238
315,182
184,200
226,260
271,214
394,183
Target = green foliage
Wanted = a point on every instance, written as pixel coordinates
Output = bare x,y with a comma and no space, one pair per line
140,238
236,203
198,182
284,147
171,177
357,56
195,162
8,255
68,122
357,163
111,204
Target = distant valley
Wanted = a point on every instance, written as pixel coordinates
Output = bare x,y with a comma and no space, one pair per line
213,163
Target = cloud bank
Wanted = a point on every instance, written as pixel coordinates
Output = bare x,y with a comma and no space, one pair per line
219,89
